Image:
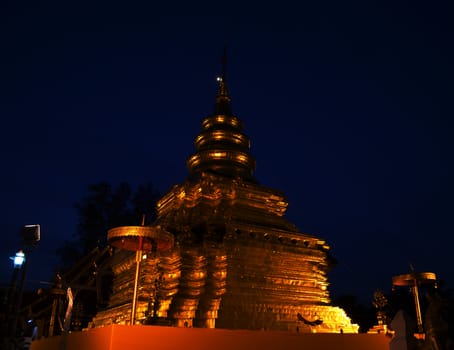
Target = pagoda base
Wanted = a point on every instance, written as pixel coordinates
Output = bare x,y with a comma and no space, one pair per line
120,337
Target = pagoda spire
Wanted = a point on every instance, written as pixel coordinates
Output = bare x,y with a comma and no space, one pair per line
222,147
222,106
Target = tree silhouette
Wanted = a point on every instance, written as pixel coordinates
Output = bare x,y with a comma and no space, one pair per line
103,208
363,315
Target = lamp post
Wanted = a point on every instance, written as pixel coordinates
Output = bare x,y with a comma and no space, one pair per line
30,235
18,261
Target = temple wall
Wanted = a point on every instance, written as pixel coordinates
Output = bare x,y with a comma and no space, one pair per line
119,337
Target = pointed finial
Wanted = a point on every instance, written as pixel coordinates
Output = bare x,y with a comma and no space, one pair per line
223,99
222,79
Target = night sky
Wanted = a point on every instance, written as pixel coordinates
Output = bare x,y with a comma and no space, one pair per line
349,107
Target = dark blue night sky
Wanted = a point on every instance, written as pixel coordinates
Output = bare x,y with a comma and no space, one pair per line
348,106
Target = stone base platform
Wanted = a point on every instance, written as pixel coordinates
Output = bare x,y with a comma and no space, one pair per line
121,337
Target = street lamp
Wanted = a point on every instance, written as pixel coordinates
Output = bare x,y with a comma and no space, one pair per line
30,235
18,259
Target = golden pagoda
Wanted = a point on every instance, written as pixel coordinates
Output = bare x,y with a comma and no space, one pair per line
237,262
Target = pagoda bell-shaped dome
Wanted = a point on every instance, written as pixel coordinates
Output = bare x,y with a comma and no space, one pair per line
222,147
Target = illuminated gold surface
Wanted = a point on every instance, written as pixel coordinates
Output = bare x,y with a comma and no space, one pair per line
237,262
127,237
212,121
222,136
411,279
222,146
272,271
165,267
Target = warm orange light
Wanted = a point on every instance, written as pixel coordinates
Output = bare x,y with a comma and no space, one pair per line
181,195
220,118
241,158
219,155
